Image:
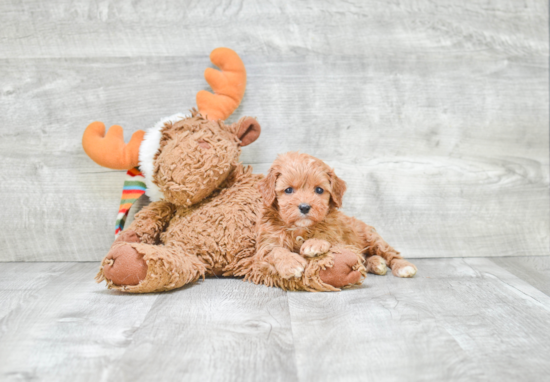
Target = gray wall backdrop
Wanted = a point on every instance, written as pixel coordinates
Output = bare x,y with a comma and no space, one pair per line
435,112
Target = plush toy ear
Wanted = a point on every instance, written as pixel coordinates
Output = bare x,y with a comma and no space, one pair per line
249,130
338,187
266,186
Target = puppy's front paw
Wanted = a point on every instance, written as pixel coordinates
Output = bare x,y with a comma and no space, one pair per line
402,268
291,265
314,247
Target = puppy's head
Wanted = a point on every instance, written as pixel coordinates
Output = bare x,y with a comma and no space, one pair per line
302,188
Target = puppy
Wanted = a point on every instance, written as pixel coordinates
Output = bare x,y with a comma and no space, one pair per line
300,219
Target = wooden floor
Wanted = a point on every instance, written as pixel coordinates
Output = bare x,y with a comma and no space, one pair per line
471,319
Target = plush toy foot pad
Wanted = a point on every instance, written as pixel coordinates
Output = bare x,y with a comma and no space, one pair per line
123,265
342,273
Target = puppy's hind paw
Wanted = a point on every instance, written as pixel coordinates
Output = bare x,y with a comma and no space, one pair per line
402,268
314,247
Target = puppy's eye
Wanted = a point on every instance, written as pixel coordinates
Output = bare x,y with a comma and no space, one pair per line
319,190
289,190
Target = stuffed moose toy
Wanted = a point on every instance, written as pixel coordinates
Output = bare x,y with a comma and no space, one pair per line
205,207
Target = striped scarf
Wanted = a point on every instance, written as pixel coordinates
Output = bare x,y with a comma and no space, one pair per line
134,187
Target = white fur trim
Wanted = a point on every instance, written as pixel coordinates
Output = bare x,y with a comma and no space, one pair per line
147,151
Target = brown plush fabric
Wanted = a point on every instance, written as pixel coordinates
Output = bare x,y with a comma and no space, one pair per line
345,272
150,222
206,224
123,265
184,170
249,130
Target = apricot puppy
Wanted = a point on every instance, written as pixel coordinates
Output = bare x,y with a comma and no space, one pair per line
300,220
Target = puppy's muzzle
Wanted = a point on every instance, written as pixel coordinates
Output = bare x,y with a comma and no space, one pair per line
304,208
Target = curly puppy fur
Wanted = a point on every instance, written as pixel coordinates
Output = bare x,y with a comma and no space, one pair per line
300,219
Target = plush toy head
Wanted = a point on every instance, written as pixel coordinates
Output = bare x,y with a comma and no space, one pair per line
184,159
196,155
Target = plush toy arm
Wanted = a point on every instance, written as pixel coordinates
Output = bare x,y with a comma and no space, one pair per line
151,221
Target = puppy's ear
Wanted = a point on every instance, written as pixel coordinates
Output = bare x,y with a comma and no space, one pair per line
248,130
266,186
338,187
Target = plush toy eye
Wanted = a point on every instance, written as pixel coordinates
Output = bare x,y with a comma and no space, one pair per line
289,190
319,190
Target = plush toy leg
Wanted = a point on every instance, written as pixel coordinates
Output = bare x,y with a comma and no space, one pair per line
141,268
346,271
123,265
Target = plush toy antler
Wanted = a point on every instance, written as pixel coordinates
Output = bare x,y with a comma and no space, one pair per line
109,150
228,85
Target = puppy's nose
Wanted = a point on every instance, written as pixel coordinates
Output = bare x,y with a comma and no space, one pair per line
304,208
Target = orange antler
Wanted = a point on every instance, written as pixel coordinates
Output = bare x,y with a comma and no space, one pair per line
110,150
228,85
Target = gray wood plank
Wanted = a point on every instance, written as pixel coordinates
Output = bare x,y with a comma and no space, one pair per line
216,330
534,270
62,206
173,28
60,325
21,283
436,114
458,319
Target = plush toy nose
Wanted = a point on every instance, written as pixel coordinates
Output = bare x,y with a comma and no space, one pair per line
304,208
